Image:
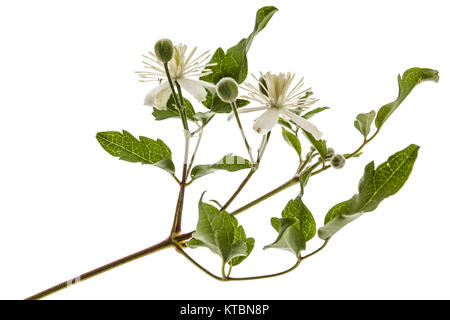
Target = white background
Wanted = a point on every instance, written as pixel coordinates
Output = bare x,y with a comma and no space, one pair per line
66,206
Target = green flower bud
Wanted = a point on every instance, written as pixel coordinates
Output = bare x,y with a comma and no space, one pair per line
337,161
330,153
262,86
227,89
164,50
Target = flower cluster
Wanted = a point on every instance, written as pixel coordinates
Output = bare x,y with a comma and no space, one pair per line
275,94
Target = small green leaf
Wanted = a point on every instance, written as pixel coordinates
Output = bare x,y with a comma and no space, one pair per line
314,112
229,163
220,232
356,155
374,187
285,124
144,150
249,242
289,238
364,121
319,145
293,141
406,83
172,110
204,117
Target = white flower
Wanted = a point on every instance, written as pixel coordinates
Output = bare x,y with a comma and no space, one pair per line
273,93
181,68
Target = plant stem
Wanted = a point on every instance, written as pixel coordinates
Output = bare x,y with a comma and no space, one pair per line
175,178
195,151
224,276
159,246
180,106
316,251
176,227
291,182
238,120
366,141
239,189
268,275
261,150
195,263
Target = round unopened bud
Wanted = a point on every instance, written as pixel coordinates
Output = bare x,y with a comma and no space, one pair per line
227,89
330,153
164,50
337,161
263,86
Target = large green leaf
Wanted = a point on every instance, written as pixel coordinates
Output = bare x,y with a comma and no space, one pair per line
364,121
304,220
296,209
172,110
220,232
376,185
295,228
144,150
406,83
229,163
289,238
233,63
293,141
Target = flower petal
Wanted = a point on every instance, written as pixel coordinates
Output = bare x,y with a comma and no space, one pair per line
267,120
158,97
246,110
196,87
303,123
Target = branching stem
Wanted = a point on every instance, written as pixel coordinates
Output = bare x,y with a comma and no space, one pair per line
174,240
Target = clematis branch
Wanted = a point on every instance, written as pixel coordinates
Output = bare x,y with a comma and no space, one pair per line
178,241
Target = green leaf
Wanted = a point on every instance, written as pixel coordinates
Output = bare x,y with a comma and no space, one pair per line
375,186
214,103
347,155
293,141
406,83
172,110
289,238
221,233
314,112
285,124
263,16
364,121
144,150
204,117
319,145
229,163
233,63
249,242
297,210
